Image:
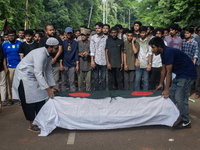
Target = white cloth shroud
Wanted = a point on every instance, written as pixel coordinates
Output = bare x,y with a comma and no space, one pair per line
96,114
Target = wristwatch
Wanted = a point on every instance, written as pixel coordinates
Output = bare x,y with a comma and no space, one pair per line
149,63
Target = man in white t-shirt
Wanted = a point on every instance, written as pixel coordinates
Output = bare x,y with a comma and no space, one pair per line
156,63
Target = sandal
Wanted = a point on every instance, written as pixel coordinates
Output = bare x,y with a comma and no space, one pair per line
34,129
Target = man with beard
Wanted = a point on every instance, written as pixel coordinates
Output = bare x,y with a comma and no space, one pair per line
69,63
173,40
98,59
114,59
5,37
176,61
131,48
21,35
37,37
29,45
50,32
29,84
150,32
11,49
136,29
143,62
106,29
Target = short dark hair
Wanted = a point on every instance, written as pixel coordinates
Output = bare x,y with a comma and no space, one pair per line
197,28
114,28
100,24
40,34
29,32
48,25
5,34
11,31
84,26
106,25
138,22
143,28
191,26
174,26
190,30
77,31
157,41
166,29
129,31
160,29
125,30
62,32
21,29
41,30
151,28
119,26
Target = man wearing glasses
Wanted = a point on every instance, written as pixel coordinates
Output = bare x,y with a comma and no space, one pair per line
11,49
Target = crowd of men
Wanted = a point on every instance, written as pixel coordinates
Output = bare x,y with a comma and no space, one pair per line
121,56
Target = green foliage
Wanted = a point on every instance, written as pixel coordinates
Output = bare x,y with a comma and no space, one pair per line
164,12
68,13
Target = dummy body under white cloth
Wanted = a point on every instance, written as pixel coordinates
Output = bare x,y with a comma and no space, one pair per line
96,114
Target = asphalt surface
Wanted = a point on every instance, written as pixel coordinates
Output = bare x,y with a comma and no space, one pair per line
14,135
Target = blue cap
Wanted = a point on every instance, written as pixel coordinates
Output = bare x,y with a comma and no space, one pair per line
68,29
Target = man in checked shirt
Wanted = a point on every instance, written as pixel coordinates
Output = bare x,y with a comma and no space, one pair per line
98,59
190,46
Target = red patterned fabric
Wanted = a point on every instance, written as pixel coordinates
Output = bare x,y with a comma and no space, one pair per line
79,94
141,93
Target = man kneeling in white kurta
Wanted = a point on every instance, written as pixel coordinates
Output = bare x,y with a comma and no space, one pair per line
29,84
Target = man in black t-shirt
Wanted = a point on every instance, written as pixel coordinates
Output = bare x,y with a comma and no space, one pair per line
50,32
27,46
114,59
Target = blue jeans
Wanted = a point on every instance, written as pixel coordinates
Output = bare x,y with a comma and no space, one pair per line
96,77
138,75
179,93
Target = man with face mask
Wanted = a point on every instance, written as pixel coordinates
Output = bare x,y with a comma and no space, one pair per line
29,84
50,32
29,45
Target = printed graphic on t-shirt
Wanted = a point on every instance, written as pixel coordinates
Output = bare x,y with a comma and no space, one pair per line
69,48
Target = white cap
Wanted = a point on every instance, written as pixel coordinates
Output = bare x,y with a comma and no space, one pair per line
52,41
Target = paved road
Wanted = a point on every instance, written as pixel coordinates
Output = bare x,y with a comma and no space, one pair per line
15,136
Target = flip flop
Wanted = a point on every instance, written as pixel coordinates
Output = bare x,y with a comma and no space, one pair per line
34,129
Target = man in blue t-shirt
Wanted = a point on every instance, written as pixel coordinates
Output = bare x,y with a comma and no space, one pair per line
69,62
176,61
11,49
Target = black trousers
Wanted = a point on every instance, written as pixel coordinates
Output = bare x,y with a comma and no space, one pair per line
30,110
154,77
113,74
